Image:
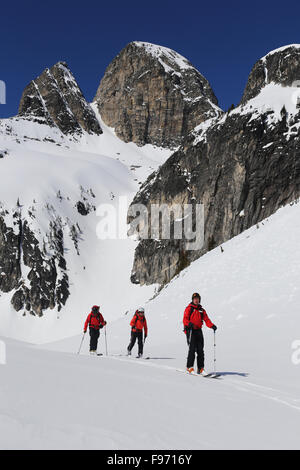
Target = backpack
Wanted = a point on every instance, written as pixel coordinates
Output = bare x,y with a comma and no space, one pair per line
98,318
136,319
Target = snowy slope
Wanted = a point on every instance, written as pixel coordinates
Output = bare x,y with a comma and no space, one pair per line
273,97
251,291
271,101
53,173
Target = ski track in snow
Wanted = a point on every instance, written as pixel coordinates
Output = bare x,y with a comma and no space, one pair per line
283,399
51,399
256,310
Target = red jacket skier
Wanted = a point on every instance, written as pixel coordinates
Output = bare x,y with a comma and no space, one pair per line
138,324
193,319
95,321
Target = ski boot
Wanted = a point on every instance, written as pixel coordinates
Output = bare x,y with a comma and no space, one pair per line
190,370
202,372
93,353
128,352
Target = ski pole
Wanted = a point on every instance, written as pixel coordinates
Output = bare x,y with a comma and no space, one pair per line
190,336
105,340
215,360
81,344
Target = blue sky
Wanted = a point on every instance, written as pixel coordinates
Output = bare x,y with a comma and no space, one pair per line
222,39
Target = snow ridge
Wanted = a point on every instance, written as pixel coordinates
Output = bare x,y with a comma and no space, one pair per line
281,49
165,54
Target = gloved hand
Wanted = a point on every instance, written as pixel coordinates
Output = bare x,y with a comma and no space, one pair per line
145,337
214,328
84,332
190,326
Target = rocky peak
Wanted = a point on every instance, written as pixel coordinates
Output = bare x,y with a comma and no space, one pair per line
281,67
242,167
56,99
151,94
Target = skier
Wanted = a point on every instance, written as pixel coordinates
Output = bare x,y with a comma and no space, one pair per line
194,316
138,323
95,321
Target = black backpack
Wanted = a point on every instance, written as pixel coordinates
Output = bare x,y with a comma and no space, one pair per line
136,318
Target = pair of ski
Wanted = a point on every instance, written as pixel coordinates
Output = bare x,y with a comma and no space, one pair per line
211,375
121,355
129,356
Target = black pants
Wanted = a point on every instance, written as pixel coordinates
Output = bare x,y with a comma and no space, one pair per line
94,334
196,345
136,335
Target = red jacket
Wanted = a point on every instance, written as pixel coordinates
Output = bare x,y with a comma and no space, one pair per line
196,314
94,321
139,322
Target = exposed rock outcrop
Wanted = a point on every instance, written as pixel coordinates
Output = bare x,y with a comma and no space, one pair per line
35,274
242,167
9,257
151,94
56,99
33,253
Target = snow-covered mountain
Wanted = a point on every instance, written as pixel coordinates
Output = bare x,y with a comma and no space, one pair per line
63,159
60,162
52,262
54,98
64,163
242,165
250,290
151,94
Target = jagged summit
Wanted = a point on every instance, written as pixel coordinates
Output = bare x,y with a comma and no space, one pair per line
54,98
282,49
151,94
280,66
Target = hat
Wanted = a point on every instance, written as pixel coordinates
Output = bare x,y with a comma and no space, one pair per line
196,295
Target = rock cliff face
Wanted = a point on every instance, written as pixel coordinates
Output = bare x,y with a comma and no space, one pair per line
151,94
33,264
38,280
242,166
56,99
